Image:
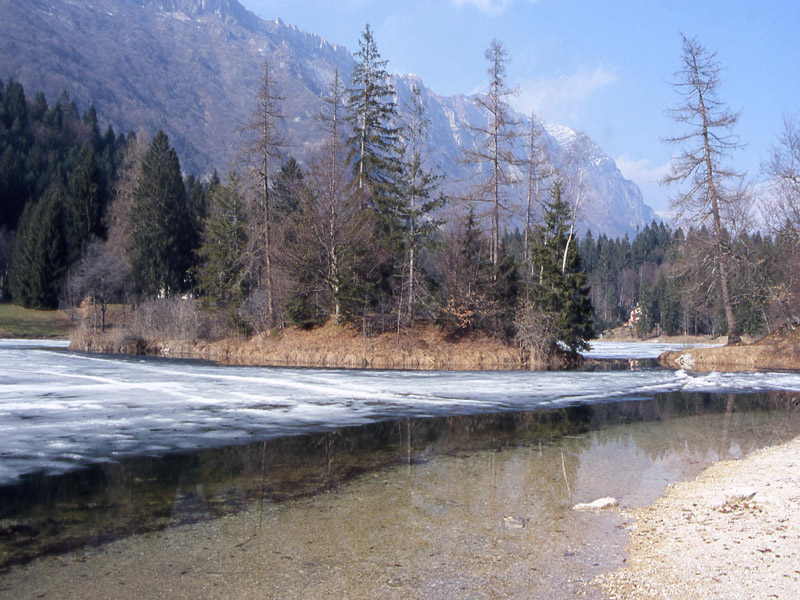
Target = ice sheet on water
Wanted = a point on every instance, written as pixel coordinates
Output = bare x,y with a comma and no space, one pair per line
636,350
59,409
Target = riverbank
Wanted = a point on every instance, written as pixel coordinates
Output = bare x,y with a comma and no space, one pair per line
780,350
423,348
24,323
733,532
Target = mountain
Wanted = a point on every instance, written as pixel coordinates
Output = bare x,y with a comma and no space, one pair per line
191,68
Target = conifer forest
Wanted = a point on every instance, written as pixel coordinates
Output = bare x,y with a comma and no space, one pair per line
362,233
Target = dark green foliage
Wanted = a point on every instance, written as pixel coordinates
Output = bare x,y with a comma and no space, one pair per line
560,293
39,256
466,279
287,188
161,240
15,141
84,201
371,114
221,272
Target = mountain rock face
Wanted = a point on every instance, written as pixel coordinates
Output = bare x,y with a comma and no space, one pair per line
192,67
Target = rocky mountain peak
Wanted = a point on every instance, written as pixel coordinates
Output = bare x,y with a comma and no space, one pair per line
192,68
223,9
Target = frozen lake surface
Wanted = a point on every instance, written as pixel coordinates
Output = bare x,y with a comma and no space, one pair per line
636,350
60,410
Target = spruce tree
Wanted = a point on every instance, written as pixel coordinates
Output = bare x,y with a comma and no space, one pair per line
160,243
38,260
84,201
286,188
221,272
371,114
560,293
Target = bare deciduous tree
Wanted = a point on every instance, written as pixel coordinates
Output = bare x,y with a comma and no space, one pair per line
572,176
329,224
783,173
535,163
706,146
100,275
263,150
119,216
782,212
418,192
498,134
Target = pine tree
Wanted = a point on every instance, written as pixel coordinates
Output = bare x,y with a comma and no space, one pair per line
84,202
38,260
221,274
560,294
371,114
160,243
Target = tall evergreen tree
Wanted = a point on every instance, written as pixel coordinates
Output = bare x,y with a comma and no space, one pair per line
560,293
84,201
371,114
160,242
286,188
221,273
38,260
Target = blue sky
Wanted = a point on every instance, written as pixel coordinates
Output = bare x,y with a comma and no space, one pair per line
603,67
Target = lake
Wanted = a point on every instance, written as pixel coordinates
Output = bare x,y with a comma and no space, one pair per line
184,479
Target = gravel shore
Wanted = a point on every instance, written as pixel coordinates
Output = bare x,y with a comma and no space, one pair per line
733,532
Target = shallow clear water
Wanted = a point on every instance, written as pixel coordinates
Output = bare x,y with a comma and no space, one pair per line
178,479
62,410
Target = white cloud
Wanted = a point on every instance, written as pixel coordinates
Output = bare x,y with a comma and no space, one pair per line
490,7
557,99
640,170
647,176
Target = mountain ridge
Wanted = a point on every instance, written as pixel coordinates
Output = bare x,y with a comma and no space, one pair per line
191,68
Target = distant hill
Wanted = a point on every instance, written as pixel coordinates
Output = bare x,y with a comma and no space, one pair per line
191,67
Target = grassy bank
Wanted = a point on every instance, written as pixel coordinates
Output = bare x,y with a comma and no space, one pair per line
18,322
779,350
422,348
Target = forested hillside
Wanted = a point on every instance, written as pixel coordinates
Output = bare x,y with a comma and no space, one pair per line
667,273
192,69
362,234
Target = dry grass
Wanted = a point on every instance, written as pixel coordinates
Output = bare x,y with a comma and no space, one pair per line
424,348
780,350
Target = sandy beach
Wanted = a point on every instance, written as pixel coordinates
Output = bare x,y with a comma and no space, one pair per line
733,533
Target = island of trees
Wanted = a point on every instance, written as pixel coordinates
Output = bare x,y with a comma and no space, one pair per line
362,236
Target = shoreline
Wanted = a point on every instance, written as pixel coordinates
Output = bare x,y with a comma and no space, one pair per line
236,555
732,532
778,351
424,349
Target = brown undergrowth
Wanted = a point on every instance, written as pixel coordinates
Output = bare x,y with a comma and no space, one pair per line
779,350
420,348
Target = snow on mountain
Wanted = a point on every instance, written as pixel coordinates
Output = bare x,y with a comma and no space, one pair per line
192,67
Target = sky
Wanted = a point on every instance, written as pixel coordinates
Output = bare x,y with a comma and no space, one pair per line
603,67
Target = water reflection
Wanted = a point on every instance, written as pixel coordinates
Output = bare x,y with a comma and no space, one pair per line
626,449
